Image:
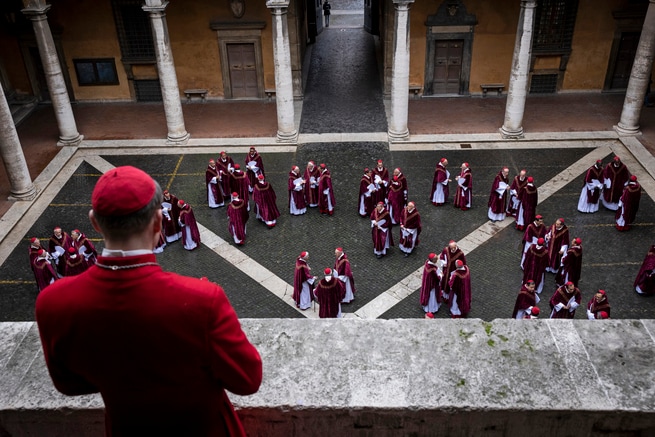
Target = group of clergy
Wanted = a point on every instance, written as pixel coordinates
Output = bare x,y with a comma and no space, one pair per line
615,187
66,255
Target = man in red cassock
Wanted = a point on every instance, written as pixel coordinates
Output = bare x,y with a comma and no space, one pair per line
190,231
160,348
557,239
410,229
170,217
367,190
296,187
237,218
212,182
254,167
84,246
44,273
311,177
73,263
381,230
329,293
430,298
303,282
464,192
58,246
381,178
515,191
397,196
225,166
241,185
628,205
498,196
615,176
326,202
344,273
571,266
528,200
525,301
449,256
33,250
459,286
565,301
597,305
645,280
533,232
536,262
440,190
265,202
592,188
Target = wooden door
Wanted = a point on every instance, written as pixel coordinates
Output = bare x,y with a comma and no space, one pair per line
447,66
624,60
243,70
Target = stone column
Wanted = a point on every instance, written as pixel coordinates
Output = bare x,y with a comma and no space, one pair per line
517,90
286,130
21,186
398,130
639,77
36,11
170,92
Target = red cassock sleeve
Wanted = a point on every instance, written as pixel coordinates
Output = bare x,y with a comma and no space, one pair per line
234,360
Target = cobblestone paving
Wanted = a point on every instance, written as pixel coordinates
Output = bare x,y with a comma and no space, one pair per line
343,92
610,261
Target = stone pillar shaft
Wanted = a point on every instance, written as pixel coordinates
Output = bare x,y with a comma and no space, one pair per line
177,133
518,82
68,134
21,186
639,77
286,130
398,129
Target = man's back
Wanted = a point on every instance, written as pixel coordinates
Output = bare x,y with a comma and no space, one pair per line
159,347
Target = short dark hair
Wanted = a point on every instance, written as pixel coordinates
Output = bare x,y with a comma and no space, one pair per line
122,227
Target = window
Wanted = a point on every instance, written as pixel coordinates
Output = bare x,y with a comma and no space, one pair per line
134,31
96,71
554,23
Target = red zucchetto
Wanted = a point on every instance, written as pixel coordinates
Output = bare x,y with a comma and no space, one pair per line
122,191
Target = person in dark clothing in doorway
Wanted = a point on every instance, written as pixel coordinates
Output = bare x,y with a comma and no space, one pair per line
326,12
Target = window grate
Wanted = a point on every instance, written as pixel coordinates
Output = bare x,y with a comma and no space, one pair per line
147,90
554,25
134,31
543,84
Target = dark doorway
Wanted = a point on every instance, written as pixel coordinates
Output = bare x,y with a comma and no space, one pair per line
447,66
624,59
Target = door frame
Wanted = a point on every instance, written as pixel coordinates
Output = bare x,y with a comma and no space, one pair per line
243,33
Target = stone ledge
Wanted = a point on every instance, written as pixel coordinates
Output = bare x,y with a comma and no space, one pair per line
396,377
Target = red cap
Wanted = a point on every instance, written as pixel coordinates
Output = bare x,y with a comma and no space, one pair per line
540,241
57,228
466,164
561,220
340,249
459,263
380,203
538,217
395,178
379,161
442,160
577,241
603,315
322,165
235,194
71,250
303,254
77,231
432,256
429,315
32,240
237,166
535,311
616,158
327,271
569,283
122,191
602,292
41,252
260,177
633,178
530,179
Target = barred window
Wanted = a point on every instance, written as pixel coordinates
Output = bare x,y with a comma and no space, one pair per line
134,31
554,23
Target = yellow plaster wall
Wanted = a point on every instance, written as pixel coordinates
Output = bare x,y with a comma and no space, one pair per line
13,63
88,31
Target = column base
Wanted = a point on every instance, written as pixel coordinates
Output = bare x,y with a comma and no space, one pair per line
29,194
179,140
398,136
70,142
625,131
511,134
287,137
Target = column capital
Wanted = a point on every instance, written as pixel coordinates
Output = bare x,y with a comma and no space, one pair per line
154,6
277,4
529,4
36,11
403,2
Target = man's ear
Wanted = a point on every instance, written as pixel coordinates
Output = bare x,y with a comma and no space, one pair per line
94,222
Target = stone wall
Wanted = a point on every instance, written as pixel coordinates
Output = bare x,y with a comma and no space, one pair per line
396,377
